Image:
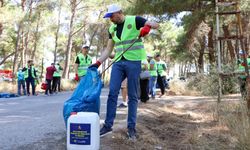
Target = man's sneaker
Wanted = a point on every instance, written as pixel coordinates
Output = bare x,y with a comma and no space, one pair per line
122,105
131,134
105,130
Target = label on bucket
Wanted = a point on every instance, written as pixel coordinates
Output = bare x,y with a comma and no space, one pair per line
80,134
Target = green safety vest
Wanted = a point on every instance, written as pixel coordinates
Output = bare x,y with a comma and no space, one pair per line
129,35
26,72
161,67
242,68
58,72
153,72
84,64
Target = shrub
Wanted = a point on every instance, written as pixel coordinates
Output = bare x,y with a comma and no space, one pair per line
236,118
208,84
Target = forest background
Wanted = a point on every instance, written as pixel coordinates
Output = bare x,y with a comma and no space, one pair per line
49,31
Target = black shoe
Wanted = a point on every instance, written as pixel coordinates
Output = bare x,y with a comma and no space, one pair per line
131,134
144,100
105,130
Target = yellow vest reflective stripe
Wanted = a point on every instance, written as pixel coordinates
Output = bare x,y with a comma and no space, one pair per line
126,42
129,35
84,64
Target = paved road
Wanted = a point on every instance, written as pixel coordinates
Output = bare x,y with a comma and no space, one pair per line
35,122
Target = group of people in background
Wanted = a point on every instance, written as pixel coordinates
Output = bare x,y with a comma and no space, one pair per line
53,75
27,77
156,75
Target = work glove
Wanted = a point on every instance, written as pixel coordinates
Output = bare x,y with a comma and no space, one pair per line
144,31
95,65
76,77
243,64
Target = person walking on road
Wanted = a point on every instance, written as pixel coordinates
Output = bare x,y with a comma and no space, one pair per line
153,76
82,62
56,84
161,71
122,33
20,82
30,76
49,76
144,82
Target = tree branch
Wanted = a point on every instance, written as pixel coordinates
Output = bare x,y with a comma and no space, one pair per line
78,30
11,54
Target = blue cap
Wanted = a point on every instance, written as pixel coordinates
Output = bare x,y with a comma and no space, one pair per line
108,15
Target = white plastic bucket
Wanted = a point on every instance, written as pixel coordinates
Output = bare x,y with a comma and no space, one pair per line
83,131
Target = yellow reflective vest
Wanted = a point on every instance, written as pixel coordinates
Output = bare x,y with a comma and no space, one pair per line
129,35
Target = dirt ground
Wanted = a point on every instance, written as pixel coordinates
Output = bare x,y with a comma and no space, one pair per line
167,123
174,123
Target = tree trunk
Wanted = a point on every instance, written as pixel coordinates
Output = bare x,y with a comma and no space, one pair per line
201,59
16,49
57,33
41,75
211,53
229,42
92,37
1,3
1,28
23,4
24,59
69,43
195,63
245,28
26,37
242,33
185,69
1,25
36,37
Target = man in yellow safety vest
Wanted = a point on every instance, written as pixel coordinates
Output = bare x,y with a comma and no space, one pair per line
124,32
82,62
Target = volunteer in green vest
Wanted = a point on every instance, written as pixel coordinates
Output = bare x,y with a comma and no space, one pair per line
144,81
56,84
122,33
242,78
83,60
161,74
30,76
153,76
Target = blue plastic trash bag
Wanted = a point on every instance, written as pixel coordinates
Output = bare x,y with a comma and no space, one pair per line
86,97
